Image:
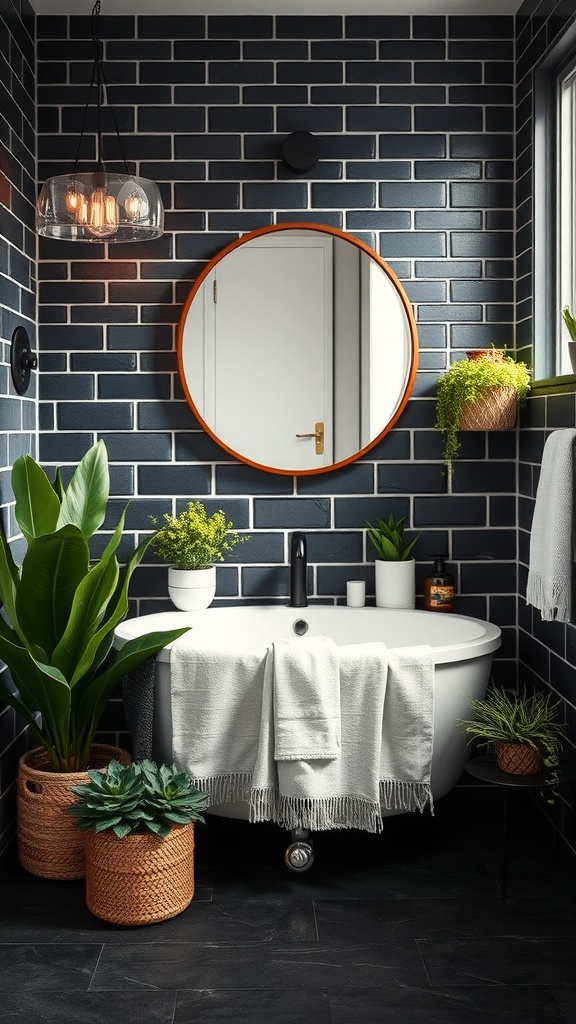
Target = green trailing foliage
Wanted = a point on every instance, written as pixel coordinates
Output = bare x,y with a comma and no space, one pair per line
60,608
139,797
192,539
510,717
389,541
469,380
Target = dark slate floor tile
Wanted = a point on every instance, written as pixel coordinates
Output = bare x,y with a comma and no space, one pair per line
252,1006
565,996
232,921
397,863
271,965
377,920
87,1008
48,968
514,1005
499,960
531,872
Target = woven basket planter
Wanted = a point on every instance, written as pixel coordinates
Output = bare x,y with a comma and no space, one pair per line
50,844
519,758
141,878
494,411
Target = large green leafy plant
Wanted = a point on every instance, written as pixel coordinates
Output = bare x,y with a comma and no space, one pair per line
140,797
193,539
60,609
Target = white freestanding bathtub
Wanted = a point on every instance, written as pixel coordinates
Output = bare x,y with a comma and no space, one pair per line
463,648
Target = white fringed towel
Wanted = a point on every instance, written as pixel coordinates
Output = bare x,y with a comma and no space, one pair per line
408,730
222,704
216,703
306,674
342,792
387,712
549,586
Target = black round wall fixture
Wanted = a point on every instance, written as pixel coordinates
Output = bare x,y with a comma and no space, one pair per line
22,360
300,151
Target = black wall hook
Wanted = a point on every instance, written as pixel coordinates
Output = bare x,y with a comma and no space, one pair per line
300,151
22,360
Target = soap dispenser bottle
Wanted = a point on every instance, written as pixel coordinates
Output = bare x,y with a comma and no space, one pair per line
439,588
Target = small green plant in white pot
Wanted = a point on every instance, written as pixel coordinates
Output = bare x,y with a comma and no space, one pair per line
395,568
190,543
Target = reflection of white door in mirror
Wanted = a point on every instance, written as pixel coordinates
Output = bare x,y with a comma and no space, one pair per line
289,327
269,320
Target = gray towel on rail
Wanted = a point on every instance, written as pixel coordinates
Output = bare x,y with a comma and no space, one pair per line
138,694
549,586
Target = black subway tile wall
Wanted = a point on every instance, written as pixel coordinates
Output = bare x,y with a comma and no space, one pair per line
413,116
18,418
545,648
414,160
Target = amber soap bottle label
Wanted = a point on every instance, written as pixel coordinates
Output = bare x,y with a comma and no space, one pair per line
439,588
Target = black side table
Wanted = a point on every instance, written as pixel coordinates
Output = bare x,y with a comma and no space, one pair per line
486,769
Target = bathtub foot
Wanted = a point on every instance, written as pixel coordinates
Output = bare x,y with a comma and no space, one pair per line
299,855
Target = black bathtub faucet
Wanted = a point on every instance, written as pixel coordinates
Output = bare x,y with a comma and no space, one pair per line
298,571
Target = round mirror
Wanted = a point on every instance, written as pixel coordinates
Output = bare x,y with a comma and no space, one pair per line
297,348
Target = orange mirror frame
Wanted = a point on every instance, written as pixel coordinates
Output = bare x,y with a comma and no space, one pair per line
410,324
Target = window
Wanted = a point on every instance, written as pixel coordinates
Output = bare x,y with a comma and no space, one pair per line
565,210
552,194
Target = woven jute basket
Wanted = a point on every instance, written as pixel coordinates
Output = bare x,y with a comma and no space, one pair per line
494,411
519,758
50,844
141,878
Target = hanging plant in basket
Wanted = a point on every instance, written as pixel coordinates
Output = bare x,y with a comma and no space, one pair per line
481,392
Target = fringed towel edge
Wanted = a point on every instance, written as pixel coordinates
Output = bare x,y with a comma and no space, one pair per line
405,796
553,602
316,813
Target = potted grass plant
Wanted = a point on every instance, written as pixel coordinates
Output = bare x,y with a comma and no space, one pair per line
570,321
191,542
60,610
395,568
138,821
481,392
523,728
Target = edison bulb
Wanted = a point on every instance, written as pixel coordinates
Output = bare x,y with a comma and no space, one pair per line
133,205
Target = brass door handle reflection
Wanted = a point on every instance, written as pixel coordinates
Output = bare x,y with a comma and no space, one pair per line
319,435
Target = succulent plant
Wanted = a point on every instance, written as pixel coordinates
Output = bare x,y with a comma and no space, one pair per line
138,797
388,539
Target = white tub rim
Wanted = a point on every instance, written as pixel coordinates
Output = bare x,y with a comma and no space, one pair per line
484,637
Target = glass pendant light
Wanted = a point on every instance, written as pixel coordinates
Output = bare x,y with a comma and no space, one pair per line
101,205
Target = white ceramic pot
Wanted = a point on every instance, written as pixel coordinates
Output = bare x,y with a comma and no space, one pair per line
395,584
191,590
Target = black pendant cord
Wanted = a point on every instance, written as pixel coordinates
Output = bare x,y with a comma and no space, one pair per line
98,78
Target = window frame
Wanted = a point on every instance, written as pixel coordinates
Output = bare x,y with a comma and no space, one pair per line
546,288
